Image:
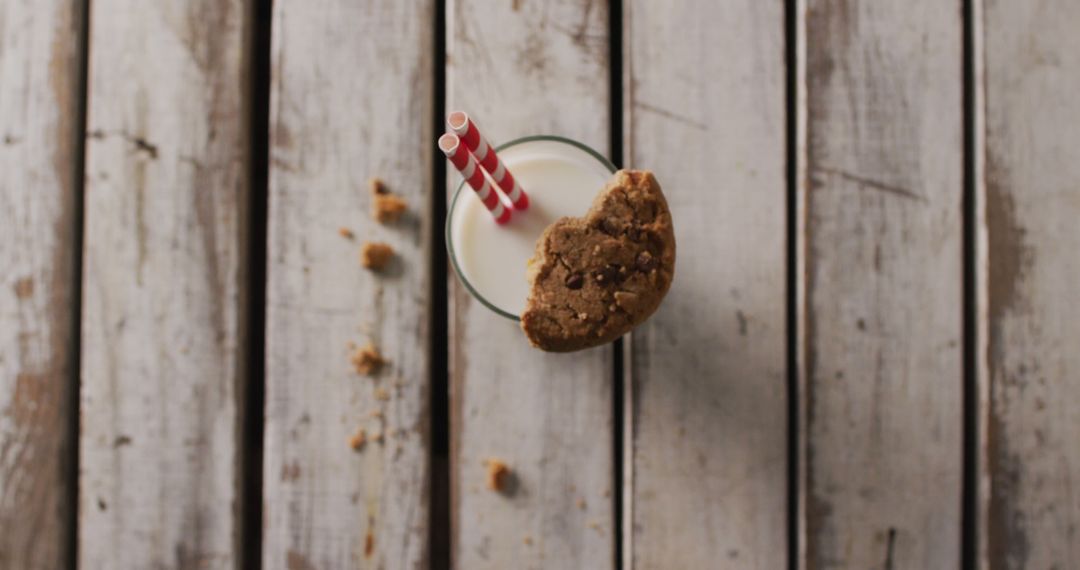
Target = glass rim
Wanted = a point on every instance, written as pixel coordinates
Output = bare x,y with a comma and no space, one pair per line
457,194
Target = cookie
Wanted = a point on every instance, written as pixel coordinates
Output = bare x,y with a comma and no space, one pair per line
595,278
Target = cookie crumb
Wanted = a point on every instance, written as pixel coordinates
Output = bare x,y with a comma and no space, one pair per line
581,503
358,439
376,186
369,544
377,437
375,255
345,233
497,474
24,287
382,395
385,207
367,360
527,540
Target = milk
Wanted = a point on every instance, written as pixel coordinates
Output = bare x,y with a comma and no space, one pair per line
560,178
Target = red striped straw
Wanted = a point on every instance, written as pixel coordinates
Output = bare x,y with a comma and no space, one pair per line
464,161
465,128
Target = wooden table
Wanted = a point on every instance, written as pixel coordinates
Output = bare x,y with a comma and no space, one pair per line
867,359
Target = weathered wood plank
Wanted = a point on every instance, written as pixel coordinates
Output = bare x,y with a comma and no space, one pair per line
883,369
708,415
525,68
162,336
1032,74
39,145
352,94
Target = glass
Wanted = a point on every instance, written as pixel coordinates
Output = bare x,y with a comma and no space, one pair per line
575,148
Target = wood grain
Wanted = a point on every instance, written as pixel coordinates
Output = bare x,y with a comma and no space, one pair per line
883,370
707,418
524,68
164,279
352,94
1032,73
40,63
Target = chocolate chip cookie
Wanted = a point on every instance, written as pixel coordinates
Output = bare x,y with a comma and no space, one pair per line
593,279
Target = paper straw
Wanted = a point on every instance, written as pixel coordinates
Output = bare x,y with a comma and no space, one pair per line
465,128
466,164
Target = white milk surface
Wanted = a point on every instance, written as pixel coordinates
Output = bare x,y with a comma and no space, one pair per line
560,179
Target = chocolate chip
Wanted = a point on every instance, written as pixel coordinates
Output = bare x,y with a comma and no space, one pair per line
645,262
610,226
609,274
634,233
574,281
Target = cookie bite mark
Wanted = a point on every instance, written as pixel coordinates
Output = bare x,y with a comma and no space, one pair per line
593,279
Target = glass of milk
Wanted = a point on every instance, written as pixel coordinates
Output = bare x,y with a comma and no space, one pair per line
561,177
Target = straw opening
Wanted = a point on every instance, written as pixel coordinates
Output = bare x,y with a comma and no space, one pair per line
449,142
458,120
